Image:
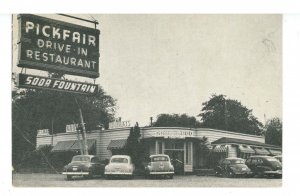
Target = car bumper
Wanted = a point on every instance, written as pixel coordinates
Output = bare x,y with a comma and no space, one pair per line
243,173
278,172
76,173
160,173
118,173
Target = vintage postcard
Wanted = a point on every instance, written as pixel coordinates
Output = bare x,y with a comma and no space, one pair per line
147,100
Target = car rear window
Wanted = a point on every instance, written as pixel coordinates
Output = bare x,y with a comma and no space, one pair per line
85,159
119,160
154,159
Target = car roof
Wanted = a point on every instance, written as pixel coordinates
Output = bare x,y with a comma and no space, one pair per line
260,156
233,158
84,156
120,156
159,155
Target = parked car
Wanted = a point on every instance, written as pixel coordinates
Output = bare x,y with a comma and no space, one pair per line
159,165
84,165
232,167
119,165
264,166
279,158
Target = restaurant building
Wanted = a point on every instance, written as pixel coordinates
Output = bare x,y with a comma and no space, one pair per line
178,142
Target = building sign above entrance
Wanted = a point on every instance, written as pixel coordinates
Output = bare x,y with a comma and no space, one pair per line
174,133
53,45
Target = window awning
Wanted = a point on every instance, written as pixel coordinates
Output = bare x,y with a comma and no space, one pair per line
246,149
117,144
219,149
90,144
275,152
261,151
63,146
71,145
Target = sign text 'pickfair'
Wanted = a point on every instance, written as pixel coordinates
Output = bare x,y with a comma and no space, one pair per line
53,45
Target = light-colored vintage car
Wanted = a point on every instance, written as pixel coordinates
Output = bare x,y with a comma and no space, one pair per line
84,165
159,165
119,166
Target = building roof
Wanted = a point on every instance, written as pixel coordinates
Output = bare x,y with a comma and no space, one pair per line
226,140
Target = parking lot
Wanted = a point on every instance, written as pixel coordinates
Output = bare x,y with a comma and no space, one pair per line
58,180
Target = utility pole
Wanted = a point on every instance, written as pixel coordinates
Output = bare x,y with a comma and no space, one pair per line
84,142
52,131
78,137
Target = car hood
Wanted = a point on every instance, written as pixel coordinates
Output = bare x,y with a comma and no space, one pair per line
276,165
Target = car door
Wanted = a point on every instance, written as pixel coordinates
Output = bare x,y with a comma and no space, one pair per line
252,165
260,168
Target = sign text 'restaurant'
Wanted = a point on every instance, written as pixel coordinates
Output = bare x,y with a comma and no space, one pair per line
53,45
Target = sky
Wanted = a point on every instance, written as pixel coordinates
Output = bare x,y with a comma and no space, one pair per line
155,64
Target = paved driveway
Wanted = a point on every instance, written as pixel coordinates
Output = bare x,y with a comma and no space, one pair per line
57,180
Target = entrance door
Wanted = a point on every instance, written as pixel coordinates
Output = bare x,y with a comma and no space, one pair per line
177,159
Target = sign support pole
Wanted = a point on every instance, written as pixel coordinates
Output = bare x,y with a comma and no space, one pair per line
85,147
78,138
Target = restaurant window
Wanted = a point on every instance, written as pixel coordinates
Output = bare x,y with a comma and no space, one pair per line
160,151
188,153
171,144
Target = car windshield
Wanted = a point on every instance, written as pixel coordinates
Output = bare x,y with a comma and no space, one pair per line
119,160
237,161
79,158
162,158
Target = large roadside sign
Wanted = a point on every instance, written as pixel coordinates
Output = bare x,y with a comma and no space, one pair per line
38,82
52,45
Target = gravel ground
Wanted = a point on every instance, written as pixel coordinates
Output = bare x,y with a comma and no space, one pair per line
57,180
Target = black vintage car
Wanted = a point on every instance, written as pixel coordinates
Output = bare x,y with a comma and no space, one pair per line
232,167
84,165
264,166
159,165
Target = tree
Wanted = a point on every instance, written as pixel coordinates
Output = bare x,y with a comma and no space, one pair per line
133,147
44,109
230,115
176,120
273,134
202,148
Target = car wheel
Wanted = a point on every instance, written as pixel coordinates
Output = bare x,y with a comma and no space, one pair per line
69,177
107,177
229,174
218,173
260,174
171,176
